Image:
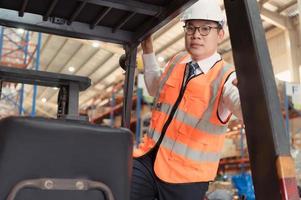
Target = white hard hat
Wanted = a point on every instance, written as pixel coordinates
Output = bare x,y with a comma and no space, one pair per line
205,10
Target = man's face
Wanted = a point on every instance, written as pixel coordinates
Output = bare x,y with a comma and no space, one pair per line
199,46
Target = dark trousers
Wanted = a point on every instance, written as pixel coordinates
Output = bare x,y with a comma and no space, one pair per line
147,186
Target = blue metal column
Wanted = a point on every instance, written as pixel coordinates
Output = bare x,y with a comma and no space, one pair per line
37,66
1,41
21,109
112,119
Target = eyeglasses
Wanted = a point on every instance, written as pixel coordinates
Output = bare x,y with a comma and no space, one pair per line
203,30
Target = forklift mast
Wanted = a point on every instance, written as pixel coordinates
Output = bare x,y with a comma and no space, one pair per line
273,169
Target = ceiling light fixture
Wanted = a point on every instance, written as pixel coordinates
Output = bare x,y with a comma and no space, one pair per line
95,44
44,100
20,30
71,69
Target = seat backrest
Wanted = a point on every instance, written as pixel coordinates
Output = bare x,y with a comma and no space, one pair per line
32,148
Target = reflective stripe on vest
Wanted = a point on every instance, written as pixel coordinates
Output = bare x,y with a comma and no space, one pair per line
184,150
202,125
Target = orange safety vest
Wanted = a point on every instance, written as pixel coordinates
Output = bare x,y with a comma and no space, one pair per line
194,136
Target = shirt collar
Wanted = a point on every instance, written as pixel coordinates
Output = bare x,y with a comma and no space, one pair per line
205,64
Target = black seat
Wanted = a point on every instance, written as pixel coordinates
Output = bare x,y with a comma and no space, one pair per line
69,152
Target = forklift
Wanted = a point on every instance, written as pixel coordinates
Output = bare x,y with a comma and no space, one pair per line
128,23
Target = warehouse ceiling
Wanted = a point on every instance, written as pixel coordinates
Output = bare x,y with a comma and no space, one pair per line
100,60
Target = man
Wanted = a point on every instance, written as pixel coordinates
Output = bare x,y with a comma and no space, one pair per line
194,99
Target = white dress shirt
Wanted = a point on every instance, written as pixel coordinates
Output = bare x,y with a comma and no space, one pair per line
230,102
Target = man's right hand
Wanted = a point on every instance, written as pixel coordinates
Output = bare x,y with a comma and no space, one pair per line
147,45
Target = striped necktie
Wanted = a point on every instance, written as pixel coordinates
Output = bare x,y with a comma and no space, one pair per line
192,67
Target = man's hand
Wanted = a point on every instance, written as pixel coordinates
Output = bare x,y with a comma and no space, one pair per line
147,45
